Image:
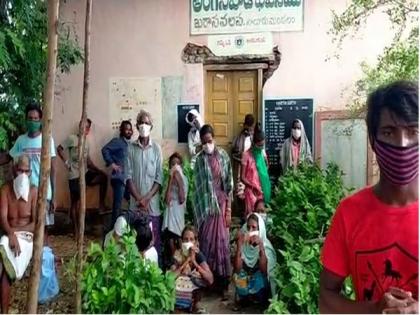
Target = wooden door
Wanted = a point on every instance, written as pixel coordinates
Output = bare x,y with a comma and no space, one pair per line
230,96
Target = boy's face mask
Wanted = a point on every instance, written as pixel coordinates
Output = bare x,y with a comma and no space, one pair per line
33,125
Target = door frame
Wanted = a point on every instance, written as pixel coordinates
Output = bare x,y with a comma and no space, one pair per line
259,67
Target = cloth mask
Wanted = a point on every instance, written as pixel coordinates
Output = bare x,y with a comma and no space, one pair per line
186,248
247,143
144,130
208,148
21,186
296,133
400,165
33,126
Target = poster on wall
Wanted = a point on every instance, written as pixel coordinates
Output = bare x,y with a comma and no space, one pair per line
183,126
278,118
127,96
245,16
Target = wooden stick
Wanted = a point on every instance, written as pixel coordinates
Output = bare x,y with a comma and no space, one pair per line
32,298
82,161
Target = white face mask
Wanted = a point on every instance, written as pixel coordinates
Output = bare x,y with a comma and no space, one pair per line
144,130
21,186
186,248
208,148
247,143
296,133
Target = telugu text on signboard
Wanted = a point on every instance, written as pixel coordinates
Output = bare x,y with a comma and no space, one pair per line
244,16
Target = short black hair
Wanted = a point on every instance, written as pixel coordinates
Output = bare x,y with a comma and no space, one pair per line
400,98
190,228
144,235
176,155
296,121
33,105
205,130
125,122
257,202
249,120
259,135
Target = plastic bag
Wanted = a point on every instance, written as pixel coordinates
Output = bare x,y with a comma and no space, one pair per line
48,283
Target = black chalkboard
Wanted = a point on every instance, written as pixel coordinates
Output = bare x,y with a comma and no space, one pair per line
183,127
278,118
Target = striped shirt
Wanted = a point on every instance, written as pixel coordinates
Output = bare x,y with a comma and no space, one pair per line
143,166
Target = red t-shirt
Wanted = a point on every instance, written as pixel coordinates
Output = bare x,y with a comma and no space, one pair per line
375,243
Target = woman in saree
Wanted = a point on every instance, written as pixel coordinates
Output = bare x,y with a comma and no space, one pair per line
295,149
212,207
255,262
254,173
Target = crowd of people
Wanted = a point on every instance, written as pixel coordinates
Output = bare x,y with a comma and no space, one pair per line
200,254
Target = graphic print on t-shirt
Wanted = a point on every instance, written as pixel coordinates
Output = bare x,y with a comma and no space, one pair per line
379,269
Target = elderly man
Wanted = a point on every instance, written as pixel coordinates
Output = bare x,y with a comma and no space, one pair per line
18,206
143,167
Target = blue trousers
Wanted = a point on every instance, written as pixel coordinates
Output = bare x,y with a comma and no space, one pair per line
120,190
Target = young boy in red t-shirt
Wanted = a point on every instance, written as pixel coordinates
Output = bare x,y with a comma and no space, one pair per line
374,233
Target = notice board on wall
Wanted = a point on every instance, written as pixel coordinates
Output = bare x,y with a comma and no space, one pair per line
183,126
278,118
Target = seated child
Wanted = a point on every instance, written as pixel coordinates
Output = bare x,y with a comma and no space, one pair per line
192,271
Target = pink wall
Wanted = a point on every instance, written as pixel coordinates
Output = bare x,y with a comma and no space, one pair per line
133,38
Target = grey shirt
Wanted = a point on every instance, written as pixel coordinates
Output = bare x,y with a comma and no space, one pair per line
143,166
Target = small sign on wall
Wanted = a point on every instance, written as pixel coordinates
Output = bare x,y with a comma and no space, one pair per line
183,126
241,44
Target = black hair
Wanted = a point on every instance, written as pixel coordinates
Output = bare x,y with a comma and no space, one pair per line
33,105
252,216
123,123
176,155
190,117
190,228
294,122
257,202
144,234
400,98
249,120
205,130
259,135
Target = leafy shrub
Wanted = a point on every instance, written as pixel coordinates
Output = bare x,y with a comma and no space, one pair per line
188,172
118,280
303,204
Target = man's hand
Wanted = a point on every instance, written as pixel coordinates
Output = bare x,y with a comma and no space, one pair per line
396,300
228,217
14,244
181,198
168,199
144,203
116,168
53,205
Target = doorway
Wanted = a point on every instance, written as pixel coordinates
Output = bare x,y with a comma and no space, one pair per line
230,95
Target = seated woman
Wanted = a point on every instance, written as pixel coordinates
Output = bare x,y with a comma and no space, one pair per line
192,272
254,262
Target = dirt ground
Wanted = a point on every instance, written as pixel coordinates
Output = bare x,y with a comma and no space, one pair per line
63,244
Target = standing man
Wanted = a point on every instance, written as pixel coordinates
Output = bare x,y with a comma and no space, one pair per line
30,144
17,217
94,175
144,175
114,154
194,119
373,237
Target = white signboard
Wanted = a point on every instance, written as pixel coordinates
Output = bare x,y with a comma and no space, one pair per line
245,16
127,96
241,44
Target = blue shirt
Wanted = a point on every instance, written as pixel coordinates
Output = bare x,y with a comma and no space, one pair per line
115,151
32,147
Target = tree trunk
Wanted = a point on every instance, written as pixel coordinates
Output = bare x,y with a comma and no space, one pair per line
32,299
82,162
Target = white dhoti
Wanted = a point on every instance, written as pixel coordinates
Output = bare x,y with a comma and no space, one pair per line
15,266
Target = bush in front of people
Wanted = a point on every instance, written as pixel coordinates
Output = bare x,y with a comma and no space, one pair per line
118,280
303,204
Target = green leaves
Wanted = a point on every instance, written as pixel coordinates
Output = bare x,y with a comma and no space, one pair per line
118,280
303,203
